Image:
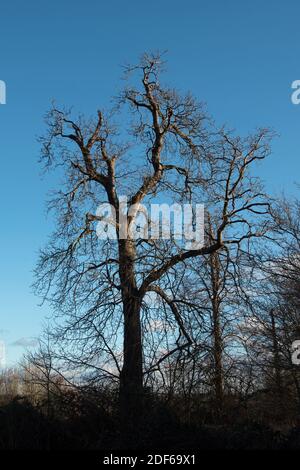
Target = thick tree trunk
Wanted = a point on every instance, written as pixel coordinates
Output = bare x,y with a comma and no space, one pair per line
131,380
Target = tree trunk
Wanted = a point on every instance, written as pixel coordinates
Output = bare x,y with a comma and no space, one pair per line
276,364
218,372
217,334
131,379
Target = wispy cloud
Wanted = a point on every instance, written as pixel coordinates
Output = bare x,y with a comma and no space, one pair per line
25,342
3,331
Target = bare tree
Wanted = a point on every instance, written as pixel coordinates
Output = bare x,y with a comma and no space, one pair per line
42,377
168,149
271,311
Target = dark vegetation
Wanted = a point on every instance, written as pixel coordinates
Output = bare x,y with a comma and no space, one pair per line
79,422
155,343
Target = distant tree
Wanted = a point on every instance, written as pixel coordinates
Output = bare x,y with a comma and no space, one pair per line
272,310
43,380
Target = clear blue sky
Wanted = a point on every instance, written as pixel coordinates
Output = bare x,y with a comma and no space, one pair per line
239,56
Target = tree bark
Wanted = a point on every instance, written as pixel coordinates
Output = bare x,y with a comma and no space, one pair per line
276,363
131,379
217,334
218,372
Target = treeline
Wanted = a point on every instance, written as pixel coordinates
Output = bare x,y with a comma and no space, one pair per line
235,384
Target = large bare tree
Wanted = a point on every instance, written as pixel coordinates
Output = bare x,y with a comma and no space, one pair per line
155,145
